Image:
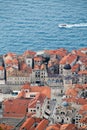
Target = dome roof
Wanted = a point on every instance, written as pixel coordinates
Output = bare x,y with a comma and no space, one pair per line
67,66
65,104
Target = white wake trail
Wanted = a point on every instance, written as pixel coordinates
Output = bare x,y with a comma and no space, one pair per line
72,25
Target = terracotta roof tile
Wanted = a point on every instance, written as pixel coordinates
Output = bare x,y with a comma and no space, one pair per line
1,68
59,52
79,86
43,67
79,53
68,58
39,97
21,94
11,54
42,89
24,67
80,101
15,61
84,107
54,127
82,72
8,61
29,53
29,123
42,125
84,86
84,120
13,107
83,49
26,86
71,92
83,127
75,67
11,61
37,67
68,127
83,60
38,58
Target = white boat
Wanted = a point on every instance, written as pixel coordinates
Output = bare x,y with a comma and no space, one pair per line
62,25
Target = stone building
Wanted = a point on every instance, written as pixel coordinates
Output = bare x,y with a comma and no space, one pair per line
83,77
55,82
14,76
63,113
39,74
29,58
2,75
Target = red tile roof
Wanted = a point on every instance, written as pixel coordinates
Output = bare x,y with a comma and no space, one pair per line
24,67
80,101
11,54
83,72
83,127
68,127
11,61
15,107
21,94
59,52
84,120
39,97
26,86
68,58
38,58
80,87
42,125
54,127
83,60
37,67
78,53
71,92
8,61
83,49
29,53
43,67
29,123
42,89
84,107
75,68
1,68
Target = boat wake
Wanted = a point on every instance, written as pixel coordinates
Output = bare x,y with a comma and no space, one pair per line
72,25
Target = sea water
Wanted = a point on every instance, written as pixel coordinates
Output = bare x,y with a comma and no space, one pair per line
33,25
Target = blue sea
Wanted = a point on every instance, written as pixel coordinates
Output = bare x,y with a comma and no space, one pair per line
33,25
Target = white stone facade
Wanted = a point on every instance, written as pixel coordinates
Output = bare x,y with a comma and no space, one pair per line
17,80
2,74
29,61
